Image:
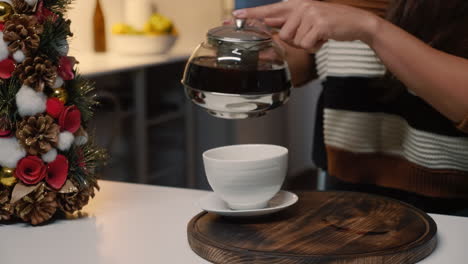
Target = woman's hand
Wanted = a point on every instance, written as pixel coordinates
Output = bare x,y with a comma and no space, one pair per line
437,77
307,24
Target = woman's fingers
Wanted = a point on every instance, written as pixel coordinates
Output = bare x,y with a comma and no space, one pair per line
288,31
307,23
312,41
275,22
305,26
228,22
273,10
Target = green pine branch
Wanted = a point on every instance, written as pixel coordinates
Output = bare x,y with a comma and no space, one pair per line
84,162
58,6
54,37
8,90
82,94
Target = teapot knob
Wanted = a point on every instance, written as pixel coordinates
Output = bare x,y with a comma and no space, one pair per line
240,23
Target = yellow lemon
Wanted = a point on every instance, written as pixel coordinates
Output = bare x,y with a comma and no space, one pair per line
122,29
148,28
160,24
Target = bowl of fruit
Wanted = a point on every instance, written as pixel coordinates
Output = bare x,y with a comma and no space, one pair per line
157,36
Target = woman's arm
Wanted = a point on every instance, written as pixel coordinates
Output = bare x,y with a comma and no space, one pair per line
439,78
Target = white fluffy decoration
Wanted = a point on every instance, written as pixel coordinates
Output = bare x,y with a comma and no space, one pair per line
50,156
30,102
31,2
81,140
3,48
10,152
19,56
65,140
58,82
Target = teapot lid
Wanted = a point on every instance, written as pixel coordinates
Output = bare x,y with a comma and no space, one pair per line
239,33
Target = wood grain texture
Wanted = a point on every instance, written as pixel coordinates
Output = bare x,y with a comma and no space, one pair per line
324,227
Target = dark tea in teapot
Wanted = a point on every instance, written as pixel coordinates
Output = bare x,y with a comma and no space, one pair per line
204,73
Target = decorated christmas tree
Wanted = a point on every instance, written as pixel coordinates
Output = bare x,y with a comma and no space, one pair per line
48,160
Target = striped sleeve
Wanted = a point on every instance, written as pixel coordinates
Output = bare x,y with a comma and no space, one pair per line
346,59
463,126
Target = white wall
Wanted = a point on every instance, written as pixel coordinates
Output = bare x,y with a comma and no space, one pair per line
192,18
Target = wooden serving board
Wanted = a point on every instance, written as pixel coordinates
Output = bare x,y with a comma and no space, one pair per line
323,227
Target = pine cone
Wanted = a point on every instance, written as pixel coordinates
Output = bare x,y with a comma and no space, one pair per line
37,72
73,202
37,207
22,32
38,134
5,208
21,7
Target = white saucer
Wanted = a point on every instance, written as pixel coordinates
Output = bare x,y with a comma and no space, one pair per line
213,204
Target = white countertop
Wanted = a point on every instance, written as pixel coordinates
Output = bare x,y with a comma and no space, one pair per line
140,224
96,64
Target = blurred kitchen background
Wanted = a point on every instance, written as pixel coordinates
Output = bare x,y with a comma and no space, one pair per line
153,133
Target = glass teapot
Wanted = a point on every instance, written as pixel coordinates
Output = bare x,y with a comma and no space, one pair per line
239,72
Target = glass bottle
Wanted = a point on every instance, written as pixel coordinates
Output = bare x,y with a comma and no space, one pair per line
99,29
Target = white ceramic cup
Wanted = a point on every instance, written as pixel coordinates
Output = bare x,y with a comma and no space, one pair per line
246,176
